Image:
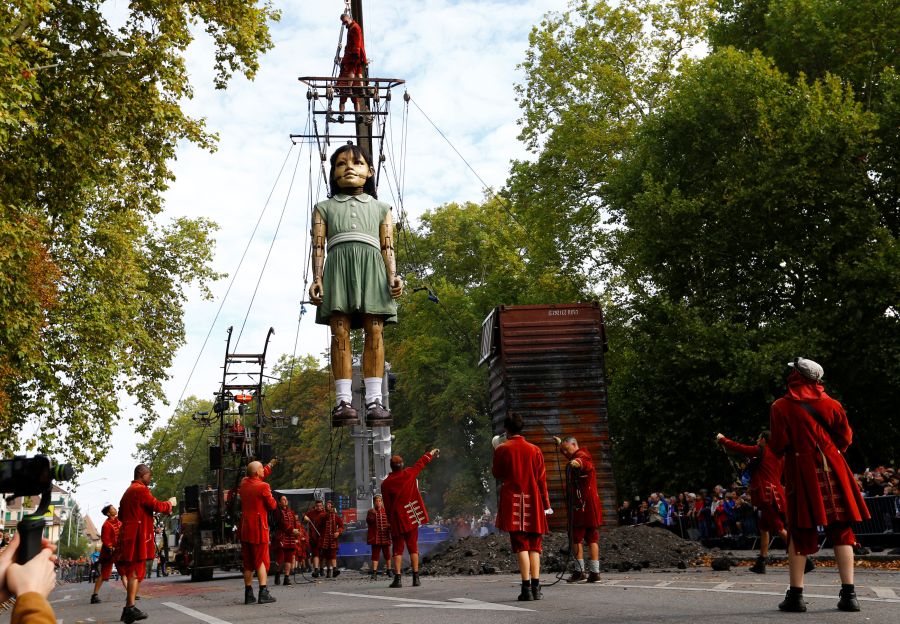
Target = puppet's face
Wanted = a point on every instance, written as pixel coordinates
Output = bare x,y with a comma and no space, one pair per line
350,173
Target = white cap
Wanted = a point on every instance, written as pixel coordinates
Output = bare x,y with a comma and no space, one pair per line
808,368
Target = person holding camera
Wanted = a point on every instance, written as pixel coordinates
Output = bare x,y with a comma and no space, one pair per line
30,583
810,430
136,547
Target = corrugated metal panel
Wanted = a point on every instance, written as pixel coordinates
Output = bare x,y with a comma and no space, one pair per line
546,362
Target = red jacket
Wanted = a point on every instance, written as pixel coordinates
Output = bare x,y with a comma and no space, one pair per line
302,540
136,542
765,480
328,525
285,523
806,447
402,499
379,532
316,517
587,512
109,536
256,502
523,495
356,48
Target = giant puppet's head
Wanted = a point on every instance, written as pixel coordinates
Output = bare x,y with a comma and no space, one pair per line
351,171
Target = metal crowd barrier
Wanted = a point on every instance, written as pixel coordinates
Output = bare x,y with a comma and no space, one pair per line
885,512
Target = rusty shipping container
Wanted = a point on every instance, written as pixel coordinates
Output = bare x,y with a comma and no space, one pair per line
547,363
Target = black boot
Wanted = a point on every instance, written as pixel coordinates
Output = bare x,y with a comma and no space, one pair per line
810,566
373,575
264,596
593,577
848,601
536,589
577,577
132,614
249,598
287,580
335,572
793,601
327,572
278,578
95,599
525,594
416,581
315,573
397,582
760,566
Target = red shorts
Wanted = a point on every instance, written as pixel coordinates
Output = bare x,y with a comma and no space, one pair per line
770,519
591,535
522,541
132,569
286,554
328,553
106,569
806,541
379,550
254,555
410,539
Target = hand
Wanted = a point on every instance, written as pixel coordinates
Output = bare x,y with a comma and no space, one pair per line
719,437
557,441
173,501
316,293
434,452
548,512
305,518
296,531
336,534
38,575
396,287
272,462
575,463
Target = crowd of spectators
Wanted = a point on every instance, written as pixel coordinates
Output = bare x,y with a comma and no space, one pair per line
727,512
465,526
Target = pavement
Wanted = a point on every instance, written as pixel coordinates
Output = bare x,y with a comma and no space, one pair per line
696,595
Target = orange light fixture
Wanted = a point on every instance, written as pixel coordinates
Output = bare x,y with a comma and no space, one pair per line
243,399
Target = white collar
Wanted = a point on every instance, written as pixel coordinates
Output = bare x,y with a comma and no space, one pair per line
342,197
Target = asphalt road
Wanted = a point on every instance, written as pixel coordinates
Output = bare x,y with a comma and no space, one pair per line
697,596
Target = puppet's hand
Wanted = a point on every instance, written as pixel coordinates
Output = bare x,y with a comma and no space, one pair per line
315,293
396,287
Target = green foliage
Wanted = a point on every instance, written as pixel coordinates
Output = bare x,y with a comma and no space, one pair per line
92,283
177,452
72,541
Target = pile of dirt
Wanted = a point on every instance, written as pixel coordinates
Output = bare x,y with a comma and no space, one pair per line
621,549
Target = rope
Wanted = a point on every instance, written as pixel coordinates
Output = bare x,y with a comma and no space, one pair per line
221,305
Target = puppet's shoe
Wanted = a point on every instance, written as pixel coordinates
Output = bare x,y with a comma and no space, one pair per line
377,415
343,415
397,582
793,602
810,566
848,601
264,596
577,577
760,566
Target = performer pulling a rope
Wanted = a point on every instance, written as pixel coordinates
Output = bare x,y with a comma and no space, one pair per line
585,510
524,502
766,493
406,511
357,286
314,517
810,430
287,530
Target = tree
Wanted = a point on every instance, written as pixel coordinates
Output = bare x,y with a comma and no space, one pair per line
73,543
91,284
177,452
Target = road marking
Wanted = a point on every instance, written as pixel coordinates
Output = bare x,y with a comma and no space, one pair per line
63,599
725,585
452,603
663,583
751,592
884,592
195,614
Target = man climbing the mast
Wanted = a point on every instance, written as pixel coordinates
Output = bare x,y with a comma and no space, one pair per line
358,284
353,64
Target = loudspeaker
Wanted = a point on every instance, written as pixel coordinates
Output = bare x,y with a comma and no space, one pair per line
192,498
265,453
215,458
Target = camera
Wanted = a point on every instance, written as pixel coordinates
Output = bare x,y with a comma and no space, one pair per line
30,476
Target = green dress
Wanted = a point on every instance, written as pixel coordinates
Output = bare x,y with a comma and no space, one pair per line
355,280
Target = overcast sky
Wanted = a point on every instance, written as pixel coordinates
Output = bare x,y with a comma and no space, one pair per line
459,59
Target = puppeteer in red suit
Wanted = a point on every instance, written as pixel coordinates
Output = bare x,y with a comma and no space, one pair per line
256,503
406,511
378,534
587,515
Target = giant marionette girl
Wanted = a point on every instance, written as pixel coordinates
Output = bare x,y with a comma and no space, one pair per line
357,285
